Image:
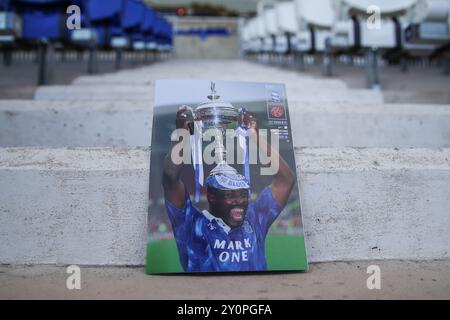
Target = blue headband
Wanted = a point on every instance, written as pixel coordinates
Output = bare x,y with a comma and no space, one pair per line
227,181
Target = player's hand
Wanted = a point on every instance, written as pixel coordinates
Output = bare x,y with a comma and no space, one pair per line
185,118
249,120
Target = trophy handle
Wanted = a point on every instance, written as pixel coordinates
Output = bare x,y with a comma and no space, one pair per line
191,125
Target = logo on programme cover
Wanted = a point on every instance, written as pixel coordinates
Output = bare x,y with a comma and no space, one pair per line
275,97
277,111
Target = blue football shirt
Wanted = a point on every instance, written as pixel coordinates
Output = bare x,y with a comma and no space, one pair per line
206,244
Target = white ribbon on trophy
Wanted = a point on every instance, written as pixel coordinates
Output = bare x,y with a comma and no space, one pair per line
216,115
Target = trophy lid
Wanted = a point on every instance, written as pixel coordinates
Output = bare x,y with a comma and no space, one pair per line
213,95
216,112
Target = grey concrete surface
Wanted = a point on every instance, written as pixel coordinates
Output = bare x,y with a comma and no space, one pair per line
74,205
374,203
146,93
19,80
89,205
332,280
128,123
136,84
213,47
427,85
236,70
94,93
386,125
419,97
55,123
418,85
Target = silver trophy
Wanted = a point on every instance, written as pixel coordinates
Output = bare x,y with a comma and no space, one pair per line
218,116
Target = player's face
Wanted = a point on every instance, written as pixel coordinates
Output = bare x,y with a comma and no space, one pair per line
231,206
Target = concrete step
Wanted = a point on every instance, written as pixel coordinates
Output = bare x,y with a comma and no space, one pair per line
145,93
129,123
387,125
372,203
133,79
75,123
419,97
95,93
222,69
89,206
330,280
61,205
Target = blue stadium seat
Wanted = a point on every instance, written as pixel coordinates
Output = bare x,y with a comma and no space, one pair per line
4,5
43,24
116,24
106,18
160,31
148,26
101,11
132,15
43,19
129,22
10,30
87,35
133,19
10,23
165,35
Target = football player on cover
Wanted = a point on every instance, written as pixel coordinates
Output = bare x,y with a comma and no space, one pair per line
230,235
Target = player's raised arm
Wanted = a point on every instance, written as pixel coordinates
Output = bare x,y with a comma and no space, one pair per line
174,190
284,178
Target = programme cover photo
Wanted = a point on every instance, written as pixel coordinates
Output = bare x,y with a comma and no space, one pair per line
223,192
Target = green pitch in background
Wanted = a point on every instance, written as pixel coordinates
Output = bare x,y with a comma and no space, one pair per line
283,252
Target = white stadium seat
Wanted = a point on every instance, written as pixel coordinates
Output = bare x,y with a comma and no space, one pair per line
256,43
287,25
356,26
360,32
369,27
267,41
270,28
428,22
315,19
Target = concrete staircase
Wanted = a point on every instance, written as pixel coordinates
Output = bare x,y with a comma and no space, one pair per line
74,164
